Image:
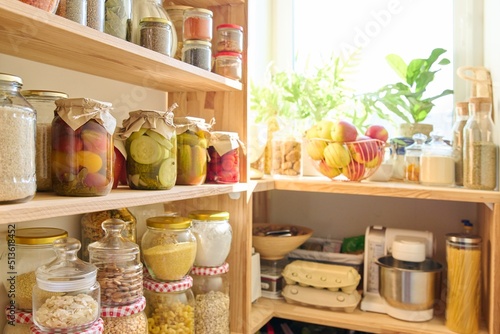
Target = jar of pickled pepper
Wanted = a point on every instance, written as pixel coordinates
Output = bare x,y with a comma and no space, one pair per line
224,164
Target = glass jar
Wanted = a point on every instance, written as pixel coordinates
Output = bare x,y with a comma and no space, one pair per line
286,155
44,103
18,129
198,53
457,142
480,151
211,292
412,158
95,14
397,155
96,328
169,306
119,267
118,14
229,38
176,14
197,24
437,166
82,148
156,34
228,64
126,319
18,322
46,5
213,237
66,295
224,155
168,247
463,300
74,10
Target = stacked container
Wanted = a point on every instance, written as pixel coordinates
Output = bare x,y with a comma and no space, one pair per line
228,60
197,37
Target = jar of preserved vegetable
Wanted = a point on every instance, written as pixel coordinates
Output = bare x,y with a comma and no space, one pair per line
286,155
437,165
197,53
126,319
18,129
229,38
168,247
18,322
82,147
66,295
480,150
176,14
228,64
213,237
224,155
197,24
169,306
44,103
156,34
117,18
457,142
192,154
211,293
412,158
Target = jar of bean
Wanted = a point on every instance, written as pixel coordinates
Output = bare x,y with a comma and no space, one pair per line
224,163
197,53
169,306
229,65
229,38
197,24
18,322
129,318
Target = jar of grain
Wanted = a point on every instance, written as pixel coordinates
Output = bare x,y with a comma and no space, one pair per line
126,319
96,328
224,155
437,165
176,14
197,53
286,155
18,135
74,10
229,38
213,237
169,305
197,24
229,65
95,14
18,322
168,247
211,293
412,158
156,34
457,142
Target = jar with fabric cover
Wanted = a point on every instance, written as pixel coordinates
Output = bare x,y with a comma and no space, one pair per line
96,328
224,155
126,319
18,322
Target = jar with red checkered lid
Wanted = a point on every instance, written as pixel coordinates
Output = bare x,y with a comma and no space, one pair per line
18,322
96,328
125,319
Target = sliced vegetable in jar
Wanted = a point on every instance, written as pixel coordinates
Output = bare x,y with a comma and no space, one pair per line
160,139
145,150
168,172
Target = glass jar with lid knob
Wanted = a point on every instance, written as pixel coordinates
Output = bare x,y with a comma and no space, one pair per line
437,165
412,158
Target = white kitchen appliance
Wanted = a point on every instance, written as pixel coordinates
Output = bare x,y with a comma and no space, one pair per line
378,243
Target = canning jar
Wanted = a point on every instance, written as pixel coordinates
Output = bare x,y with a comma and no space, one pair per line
213,237
412,158
74,10
229,38
44,103
168,247
169,306
46,5
457,142
18,129
151,146
96,328
129,318
156,34
480,151
82,147
211,293
176,14
463,300
18,322
66,295
437,166
228,64
286,155
197,24
95,14
192,154
117,18
197,53
224,155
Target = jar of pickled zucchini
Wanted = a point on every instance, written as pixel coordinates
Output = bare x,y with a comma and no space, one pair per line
82,147
18,322
224,155
129,318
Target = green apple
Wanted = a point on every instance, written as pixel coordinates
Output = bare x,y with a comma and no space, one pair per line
343,131
337,155
324,129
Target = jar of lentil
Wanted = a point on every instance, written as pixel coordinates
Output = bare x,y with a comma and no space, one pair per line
229,38
229,65
96,328
197,24
44,103
156,34
197,53
213,237
18,129
168,247
74,10
118,14
95,14
126,319
224,155
18,322
169,305
211,293
176,14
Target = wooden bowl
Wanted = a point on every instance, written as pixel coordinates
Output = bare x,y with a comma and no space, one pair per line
271,245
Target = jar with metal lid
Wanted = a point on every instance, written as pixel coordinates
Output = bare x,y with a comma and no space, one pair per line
168,247
18,322
457,142
224,155
176,14
44,103
229,65
82,147
74,10
463,300
156,34
129,318
197,53
33,247
66,296
96,328
437,165
169,305
211,293
118,14
412,158
229,38
119,267
18,129
197,24
213,237
95,14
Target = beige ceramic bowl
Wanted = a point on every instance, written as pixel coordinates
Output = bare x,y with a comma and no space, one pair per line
271,245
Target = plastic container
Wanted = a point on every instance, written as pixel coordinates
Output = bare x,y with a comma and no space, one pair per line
197,24
176,14
286,155
96,14
156,34
18,322
18,129
229,65
412,158
129,318
229,38
46,5
457,142
211,292
118,14
437,165
224,154
197,53
168,248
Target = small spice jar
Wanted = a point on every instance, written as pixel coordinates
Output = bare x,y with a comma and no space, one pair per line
18,322
211,293
197,53
156,34
224,163
412,158
229,38
129,318
169,306
197,24
229,65
437,166
168,247
213,237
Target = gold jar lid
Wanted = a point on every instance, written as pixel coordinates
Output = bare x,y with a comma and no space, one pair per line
44,93
38,235
166,222
209,215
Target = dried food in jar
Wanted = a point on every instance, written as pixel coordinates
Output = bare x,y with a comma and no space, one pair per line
197,24
228,64
95,14
117,18
286,156
230,38
156,34
47,5
125,319
67,311
197,53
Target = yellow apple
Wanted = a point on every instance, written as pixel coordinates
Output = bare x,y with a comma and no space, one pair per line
324,129
337,155
312,132
373,163
328,171
315,148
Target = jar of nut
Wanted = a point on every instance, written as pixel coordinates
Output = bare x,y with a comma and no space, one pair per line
125,319
286,155
119,268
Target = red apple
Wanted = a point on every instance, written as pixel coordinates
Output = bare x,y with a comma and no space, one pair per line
364,149
377,132
354,171
343,131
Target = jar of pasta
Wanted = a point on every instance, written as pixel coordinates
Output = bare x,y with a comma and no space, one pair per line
129,318
18,322
169,306
224,154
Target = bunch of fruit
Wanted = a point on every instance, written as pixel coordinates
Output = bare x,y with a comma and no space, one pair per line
337,148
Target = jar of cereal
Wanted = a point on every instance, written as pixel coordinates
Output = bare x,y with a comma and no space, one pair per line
96,328
224,163
125,319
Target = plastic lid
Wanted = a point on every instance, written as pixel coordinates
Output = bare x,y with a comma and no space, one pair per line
169,222
123,311
228,54
113,244
44,93
20,317
96,328
209,271
209,215
229,26
10,77
175,286
38,235
410,249
194,42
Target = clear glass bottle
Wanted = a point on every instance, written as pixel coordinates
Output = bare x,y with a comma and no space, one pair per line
197,24
197,53
286,155
480,151
176,14
211,292
156,34
18,322
457,142
437,165
118,14
168,248
229,65
95,14
229,38
129,318
18,129
224,158
74,10
412,158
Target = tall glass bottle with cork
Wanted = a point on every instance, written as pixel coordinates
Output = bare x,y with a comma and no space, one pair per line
461,117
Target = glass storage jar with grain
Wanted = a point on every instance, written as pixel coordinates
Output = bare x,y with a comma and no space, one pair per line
156,34
197,24
118,14
228,64
46,5
74,10
457,142
224,155
229,38
126,319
